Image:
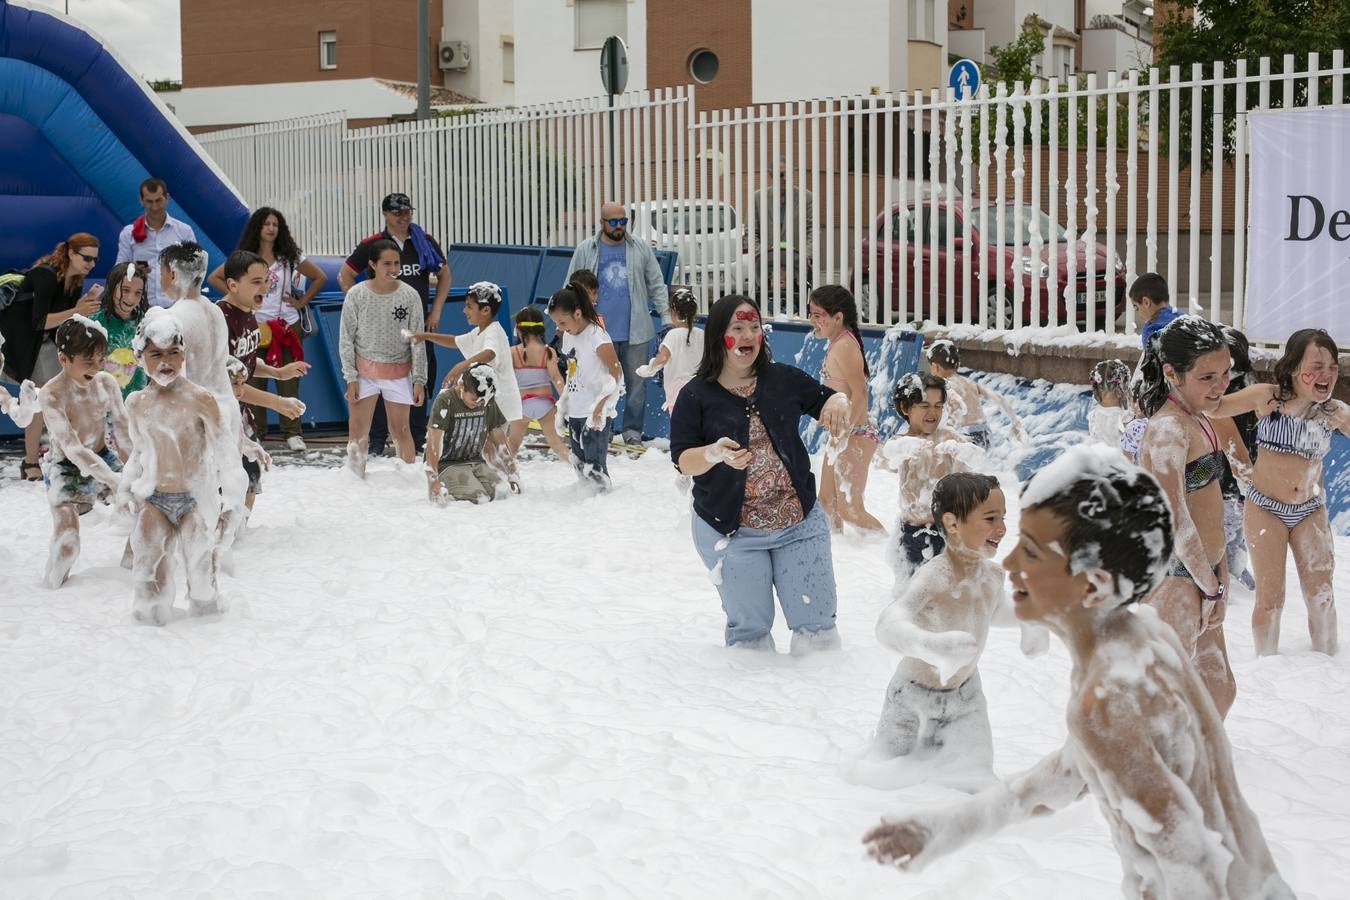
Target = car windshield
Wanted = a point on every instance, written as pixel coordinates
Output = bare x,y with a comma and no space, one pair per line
700,218
1029,216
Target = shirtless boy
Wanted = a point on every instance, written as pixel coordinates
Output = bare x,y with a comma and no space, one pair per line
78,404
1144,736
965,413
171,475
935,712
926,453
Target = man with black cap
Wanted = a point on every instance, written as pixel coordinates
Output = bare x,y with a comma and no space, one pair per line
421,257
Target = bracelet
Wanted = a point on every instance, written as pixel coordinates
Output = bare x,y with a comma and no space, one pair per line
1216,597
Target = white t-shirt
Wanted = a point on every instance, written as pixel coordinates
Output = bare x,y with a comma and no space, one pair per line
685,355
1105,424
281,277
494,338
587,377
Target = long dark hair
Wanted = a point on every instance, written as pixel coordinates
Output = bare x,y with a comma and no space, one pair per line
684,307
283,248
572,299
1294,349
1180,345
835,298
714,350
530,323
117,277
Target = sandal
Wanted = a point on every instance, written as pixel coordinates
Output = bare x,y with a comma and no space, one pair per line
30,471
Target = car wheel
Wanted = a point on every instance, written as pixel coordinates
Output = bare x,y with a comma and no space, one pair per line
991,309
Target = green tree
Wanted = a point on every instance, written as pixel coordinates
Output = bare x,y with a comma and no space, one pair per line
1013,62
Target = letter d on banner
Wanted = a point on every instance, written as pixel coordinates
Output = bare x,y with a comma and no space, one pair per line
1298,256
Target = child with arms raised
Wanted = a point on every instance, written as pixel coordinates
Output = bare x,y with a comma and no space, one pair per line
171,482
1144,736
926,453
466,452
965,410
934,717
843,473
78,404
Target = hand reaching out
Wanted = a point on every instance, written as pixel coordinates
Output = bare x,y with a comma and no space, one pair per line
896,843
727,451
650,369
293,407
835,415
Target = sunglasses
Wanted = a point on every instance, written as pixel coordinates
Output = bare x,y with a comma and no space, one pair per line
89,259
402,212
615,223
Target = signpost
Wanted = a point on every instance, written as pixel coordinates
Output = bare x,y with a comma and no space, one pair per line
614,76
964,79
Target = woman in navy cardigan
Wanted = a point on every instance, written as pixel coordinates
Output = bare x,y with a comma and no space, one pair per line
756,526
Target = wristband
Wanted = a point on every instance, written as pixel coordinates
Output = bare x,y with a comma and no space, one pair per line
1216,597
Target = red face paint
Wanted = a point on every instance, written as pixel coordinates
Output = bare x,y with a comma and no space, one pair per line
747,315
729,341
1308,377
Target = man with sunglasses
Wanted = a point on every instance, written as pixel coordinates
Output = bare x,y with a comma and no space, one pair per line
142,240
630,285
420,257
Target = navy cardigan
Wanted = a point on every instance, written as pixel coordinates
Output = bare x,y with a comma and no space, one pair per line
707,411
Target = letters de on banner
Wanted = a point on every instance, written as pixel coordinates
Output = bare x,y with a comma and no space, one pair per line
1298,227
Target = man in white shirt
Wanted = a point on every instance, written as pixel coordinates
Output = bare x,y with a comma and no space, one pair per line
143,239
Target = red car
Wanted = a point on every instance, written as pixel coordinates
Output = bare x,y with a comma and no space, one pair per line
1018,262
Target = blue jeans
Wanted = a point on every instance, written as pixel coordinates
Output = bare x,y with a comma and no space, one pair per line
590,450
750,564
634,386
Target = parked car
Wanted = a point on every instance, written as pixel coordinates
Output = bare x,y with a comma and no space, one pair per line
705,236
911,234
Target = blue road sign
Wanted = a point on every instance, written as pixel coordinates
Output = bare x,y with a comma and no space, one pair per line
964,79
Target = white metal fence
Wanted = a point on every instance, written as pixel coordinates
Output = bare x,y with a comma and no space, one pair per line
1030,207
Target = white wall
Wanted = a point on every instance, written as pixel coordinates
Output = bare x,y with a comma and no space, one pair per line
803,49
483,23
360,98
547,66
1106,49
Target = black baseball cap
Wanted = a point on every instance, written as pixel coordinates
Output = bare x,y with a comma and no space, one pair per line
396,203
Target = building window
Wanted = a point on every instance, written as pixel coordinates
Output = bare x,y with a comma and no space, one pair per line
1064,63
703,66
509,62
922,20
597,20
327,49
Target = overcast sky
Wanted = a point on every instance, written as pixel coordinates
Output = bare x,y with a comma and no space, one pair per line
143,32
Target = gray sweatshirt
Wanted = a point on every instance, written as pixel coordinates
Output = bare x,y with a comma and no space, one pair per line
373,326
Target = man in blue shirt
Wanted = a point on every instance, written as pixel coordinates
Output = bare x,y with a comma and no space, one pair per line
1152,309
630,285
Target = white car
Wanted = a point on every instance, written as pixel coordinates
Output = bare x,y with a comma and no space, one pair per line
706,236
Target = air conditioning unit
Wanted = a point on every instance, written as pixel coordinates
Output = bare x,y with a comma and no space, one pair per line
454,56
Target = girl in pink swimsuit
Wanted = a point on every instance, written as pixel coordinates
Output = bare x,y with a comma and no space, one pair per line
536,368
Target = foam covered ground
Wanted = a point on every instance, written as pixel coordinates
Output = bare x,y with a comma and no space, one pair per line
531,700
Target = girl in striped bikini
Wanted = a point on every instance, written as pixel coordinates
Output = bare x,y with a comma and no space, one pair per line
833,315
537,376
1184,372
1284,511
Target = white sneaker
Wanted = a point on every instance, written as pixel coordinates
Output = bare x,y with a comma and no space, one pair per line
632,438
296,442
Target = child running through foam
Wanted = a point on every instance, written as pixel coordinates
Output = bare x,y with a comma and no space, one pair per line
965,411
1144,736
1110,381
125,303
923,456
1285,510
681,349
537,376
79,404
378,314
594,383
934,716
171,479
843,473
467,452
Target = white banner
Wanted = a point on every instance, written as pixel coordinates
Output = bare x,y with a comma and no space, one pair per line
1298,228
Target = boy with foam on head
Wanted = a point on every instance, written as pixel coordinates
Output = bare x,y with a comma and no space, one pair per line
935,718
965,412
78,405
467,453
171,481
1144,735
923,455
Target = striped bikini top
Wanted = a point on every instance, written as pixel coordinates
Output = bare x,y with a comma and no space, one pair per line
1308,437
